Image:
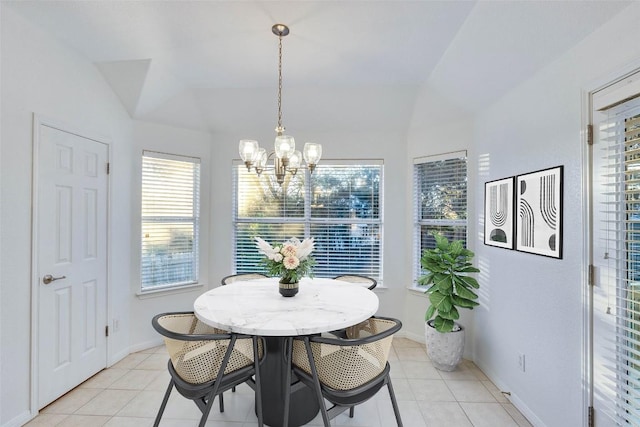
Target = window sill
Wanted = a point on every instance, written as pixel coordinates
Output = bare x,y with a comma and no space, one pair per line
418,290
168,291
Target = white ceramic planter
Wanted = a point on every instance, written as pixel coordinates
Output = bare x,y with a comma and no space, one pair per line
444,350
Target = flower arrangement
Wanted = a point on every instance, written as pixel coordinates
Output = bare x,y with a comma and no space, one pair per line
291,260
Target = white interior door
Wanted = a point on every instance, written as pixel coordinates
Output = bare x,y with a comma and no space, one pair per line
615,240
71,245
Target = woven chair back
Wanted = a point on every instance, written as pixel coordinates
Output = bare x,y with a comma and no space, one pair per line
242,276
352,278
199,361
347,366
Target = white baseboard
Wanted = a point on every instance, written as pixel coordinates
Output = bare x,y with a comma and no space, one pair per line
19,420
411,336
420,338
524,410
145,345
514,399
115,358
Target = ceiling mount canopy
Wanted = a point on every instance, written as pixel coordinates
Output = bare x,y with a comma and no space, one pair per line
287,158
280,30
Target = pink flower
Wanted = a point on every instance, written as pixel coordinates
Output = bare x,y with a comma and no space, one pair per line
291,262
288,250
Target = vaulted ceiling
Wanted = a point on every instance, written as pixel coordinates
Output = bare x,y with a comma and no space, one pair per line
352,65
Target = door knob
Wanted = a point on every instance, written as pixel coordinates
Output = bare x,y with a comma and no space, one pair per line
49,278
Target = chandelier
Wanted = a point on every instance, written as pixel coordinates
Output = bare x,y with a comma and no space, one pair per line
285,156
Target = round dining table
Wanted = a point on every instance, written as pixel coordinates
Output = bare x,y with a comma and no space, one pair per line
256,307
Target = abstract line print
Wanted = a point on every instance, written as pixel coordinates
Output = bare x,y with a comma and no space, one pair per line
498,207
526,217
499,213
539,202
547,200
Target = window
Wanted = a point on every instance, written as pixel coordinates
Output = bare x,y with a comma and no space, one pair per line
339,205
170,220
440,201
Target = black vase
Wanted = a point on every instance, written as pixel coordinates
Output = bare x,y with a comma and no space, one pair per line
287,289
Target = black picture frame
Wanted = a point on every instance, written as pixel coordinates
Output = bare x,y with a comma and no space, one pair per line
539,197
498,213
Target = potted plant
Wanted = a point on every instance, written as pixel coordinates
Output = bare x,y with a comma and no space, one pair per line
450,288
290,261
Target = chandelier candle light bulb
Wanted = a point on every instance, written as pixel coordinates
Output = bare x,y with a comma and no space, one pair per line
248,149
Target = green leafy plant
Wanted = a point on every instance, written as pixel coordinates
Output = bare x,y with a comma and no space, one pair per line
450,286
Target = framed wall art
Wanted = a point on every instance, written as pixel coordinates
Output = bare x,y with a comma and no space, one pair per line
498,213
539,212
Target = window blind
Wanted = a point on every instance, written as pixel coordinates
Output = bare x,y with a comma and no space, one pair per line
617,296
170,220
339,205
440,201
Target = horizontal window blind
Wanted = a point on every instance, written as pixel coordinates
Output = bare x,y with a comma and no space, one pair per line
618,362
440,201
339,205
170,220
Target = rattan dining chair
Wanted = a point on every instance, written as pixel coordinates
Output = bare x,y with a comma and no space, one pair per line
346,372
242,276
356,278
205,361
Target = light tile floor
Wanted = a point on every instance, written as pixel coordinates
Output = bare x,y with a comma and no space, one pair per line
129,394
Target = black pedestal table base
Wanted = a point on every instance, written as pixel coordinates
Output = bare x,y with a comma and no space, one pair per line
303,406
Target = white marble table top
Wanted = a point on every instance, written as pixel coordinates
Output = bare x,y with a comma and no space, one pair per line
256,308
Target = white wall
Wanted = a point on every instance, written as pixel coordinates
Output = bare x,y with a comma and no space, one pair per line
532,304
436,127
39,76
166,139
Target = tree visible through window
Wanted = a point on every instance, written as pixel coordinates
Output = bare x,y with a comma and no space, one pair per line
339,205
170,220
440,201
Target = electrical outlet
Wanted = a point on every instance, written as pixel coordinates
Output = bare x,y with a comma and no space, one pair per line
521,362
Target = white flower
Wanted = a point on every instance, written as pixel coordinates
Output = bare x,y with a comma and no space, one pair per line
266,249
290,256
305,248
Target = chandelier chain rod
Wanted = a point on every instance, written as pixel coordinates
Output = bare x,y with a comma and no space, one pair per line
280,128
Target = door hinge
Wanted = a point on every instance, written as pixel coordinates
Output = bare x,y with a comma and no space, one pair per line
108,168
106,331
590,420
589,134
592,274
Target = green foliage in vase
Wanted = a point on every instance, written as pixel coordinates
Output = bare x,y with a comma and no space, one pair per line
291,260
450,286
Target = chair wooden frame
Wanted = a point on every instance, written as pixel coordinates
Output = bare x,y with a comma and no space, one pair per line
343,398
204,393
